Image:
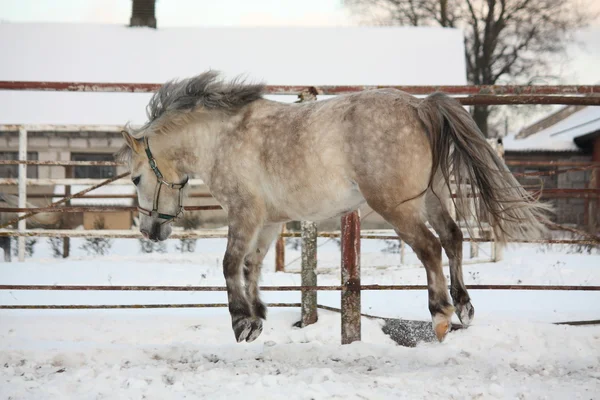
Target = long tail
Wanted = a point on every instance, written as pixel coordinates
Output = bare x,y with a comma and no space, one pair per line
460,150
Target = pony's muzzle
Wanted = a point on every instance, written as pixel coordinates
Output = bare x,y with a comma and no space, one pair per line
155,232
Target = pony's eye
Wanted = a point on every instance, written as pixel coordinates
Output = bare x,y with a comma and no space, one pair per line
136,180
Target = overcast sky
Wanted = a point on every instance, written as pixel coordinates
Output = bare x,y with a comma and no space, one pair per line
581,66
183,12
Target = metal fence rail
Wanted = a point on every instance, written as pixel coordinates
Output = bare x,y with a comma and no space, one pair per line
119,288
216,233
497,90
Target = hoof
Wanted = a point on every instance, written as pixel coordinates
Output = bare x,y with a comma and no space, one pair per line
257,326
247,329
465,313
441,325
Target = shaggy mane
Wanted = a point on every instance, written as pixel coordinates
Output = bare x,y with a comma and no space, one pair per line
170,104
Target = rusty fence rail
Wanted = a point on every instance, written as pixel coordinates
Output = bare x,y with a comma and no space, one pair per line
62,163
96,209
350,284
216,233
294,90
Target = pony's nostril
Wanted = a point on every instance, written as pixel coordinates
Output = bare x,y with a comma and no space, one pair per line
155,232
145,234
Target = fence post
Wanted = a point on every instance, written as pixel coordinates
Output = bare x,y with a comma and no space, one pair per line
309,248
593,202
351,277
497,249
67,241
309,273
402,252
22,225
280,252
474,245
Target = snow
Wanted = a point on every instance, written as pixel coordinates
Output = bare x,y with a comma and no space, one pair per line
511,351
279,56
560,136
187,355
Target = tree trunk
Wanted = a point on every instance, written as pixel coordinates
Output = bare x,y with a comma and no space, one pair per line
480,115
143,13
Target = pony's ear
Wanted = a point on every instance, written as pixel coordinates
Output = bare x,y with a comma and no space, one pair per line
133,143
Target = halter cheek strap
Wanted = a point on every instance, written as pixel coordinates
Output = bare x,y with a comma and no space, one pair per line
160,182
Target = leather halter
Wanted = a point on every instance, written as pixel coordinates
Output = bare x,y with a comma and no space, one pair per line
160,182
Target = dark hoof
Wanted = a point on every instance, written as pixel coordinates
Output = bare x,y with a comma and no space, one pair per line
257,327
465,313
247,329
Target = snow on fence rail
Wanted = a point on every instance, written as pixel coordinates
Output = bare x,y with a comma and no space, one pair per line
350,287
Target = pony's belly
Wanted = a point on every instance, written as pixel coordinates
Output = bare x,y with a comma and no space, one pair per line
325,204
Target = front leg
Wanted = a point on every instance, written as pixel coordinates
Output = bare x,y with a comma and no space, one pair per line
252,266
242,234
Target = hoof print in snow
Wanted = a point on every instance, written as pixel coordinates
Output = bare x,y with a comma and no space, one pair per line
213,358
168,380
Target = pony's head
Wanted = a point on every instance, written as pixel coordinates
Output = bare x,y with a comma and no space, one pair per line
160,188
174,106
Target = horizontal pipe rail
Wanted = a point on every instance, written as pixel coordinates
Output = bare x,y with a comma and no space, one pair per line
97,209
550,193
62,128
117,163
115,234
552,163
125,306
61,163
324,89
130,288
545,195
215,233
208,305
78,181
110,163
493,100
109,196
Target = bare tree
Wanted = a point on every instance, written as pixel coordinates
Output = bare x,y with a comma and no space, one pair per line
505,40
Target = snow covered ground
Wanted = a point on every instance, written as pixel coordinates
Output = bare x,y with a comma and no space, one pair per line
511,351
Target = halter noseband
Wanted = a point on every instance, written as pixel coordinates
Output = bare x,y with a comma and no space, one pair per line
159,183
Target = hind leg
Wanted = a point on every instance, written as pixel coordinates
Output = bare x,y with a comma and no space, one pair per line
252,267
409,225
452,241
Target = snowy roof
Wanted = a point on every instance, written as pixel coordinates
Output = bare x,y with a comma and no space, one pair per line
560,136
278,56
111,189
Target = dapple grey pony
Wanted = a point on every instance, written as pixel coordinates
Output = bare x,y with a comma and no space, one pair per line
268,162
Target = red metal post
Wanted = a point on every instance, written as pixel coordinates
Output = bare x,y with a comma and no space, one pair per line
351,277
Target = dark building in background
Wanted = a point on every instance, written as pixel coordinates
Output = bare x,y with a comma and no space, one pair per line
143,13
